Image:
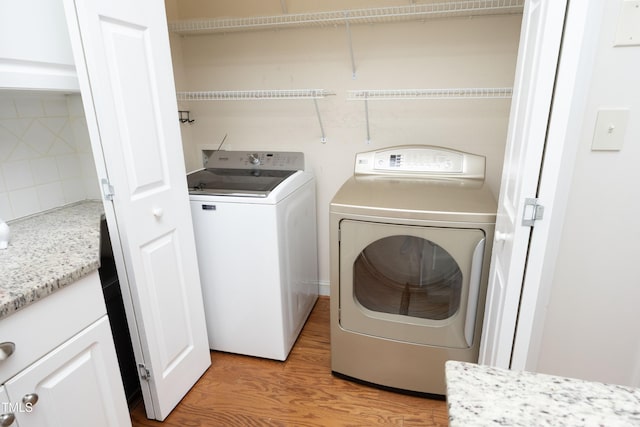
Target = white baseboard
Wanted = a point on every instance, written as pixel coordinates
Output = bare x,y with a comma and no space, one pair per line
323,287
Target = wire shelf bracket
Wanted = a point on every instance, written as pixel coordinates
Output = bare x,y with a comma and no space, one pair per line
350,46
185,116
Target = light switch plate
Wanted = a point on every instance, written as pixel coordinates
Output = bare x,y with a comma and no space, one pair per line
628,30
611,126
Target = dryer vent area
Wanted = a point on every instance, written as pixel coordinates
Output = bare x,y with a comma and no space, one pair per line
408,275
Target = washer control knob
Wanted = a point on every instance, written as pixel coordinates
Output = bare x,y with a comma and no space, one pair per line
254,159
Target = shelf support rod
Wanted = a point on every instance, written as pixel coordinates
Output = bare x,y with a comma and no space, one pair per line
366,115
350,43
323,139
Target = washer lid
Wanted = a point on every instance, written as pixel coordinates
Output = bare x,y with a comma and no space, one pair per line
236,182
243,173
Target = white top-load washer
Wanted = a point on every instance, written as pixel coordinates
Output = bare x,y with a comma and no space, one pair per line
254,218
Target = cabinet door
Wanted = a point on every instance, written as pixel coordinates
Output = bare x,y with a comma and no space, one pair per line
124,67
35,52
76,385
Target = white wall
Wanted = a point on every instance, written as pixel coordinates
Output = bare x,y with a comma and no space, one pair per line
591,325
45,153
448,53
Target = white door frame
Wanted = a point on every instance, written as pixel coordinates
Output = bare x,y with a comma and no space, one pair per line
577,55
540,41
581,32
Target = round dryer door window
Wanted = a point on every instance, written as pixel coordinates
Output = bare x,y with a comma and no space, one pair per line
416,284
408,275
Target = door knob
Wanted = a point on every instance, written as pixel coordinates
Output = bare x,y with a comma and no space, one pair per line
7,419
6,349
500,236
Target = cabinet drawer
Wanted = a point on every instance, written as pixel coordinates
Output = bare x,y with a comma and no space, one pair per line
40,327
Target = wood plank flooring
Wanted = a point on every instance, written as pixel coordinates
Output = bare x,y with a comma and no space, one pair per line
246,391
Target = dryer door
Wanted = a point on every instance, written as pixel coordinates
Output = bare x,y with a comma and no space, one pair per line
410,283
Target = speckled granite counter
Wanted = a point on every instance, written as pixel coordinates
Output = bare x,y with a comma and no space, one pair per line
47,252
484,396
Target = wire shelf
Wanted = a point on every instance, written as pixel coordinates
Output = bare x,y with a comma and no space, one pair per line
251,95
255,95
457,93
354,16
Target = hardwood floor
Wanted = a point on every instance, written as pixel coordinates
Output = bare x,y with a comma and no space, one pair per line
246,391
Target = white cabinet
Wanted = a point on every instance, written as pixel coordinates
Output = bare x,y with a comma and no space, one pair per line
74,380
72,385
35,51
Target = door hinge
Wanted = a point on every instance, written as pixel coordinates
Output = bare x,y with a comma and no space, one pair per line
532,212
144,372
107,189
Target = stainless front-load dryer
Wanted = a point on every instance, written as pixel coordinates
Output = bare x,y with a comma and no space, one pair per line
411,236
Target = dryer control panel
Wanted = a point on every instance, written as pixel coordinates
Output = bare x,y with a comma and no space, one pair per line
420,161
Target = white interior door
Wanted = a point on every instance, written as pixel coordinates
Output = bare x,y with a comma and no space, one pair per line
541,34
122,55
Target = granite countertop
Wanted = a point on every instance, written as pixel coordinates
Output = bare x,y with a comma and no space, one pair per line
485,396
48,251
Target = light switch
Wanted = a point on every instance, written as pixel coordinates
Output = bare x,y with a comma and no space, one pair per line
628,30
611,126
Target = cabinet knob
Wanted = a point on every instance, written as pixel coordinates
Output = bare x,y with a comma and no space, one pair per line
157,212
30,399
6,420
6,349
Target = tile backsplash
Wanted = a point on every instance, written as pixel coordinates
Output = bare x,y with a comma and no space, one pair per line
45,153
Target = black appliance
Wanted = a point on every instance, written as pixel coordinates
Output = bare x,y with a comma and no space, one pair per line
117,317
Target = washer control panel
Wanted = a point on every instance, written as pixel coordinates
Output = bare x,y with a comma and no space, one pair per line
272,160
423,161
